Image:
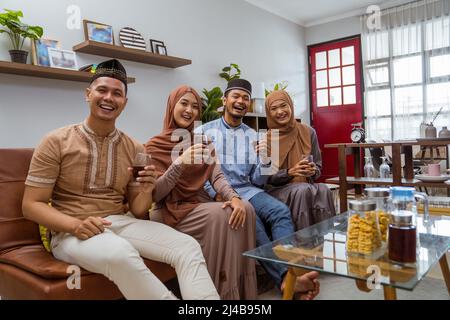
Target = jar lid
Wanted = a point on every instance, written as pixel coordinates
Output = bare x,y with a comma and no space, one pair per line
377,192
362,205
403,193
404,219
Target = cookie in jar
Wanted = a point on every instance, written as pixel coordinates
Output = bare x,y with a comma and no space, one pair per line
363,232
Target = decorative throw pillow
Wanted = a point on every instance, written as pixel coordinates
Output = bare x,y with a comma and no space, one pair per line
45,237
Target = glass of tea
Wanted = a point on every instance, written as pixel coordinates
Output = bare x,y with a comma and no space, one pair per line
141,160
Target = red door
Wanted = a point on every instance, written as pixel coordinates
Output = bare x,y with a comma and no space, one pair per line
336,104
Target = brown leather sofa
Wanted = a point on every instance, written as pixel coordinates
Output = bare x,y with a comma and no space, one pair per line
27,270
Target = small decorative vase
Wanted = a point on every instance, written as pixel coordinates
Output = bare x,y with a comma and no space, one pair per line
430,131
444,133
19,56
423,127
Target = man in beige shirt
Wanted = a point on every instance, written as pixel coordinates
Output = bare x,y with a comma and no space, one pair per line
85,169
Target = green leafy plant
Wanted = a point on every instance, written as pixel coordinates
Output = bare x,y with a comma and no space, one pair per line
17,30
211,101
230,72
278,86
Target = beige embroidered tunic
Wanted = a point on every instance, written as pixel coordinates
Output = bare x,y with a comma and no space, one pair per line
89,173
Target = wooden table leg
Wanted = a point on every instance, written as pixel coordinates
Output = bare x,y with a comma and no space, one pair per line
389,293
409,168
342,179
445,271
289,285
396,164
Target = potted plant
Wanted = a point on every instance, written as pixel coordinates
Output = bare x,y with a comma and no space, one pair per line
212,100
230,72
211,103
278,86
18,32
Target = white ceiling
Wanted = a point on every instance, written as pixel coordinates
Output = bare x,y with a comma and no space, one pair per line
312,12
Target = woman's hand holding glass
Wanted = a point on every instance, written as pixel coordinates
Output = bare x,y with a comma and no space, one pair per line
304,168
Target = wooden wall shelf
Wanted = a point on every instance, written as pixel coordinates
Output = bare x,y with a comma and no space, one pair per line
47,72
113,51
258,121
261,115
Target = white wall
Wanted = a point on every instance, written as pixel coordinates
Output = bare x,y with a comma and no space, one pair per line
212,33
333,30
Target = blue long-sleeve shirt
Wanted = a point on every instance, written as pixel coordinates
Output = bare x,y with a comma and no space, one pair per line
235,152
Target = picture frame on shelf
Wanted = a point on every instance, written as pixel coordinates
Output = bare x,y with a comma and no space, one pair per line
98,32
39,51
162,50
63,59
154,43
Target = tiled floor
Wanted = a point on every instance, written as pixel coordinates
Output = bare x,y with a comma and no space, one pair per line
339,288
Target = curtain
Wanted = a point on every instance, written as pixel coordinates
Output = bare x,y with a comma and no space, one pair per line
406,65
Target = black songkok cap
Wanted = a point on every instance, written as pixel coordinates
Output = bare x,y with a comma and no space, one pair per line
239,84
112,69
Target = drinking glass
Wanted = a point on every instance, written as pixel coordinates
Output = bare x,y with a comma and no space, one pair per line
141,160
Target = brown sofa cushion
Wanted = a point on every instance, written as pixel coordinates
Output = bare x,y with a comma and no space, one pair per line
16,283
15,230
37,260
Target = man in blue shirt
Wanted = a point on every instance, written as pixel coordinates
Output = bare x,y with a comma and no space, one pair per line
244,161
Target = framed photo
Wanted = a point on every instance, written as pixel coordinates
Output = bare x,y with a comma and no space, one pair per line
64,59
98,32
154,43
39,51
162,50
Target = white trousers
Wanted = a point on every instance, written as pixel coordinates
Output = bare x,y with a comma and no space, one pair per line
117,252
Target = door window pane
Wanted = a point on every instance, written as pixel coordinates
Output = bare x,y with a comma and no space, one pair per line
350,95
321,60
336,96
334,58
348,55
348,75
321,79
335,77
322,98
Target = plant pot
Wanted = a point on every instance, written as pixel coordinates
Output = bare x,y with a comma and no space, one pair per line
444,133
19,56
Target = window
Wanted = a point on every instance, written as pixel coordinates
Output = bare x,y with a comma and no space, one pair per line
335,77
407,78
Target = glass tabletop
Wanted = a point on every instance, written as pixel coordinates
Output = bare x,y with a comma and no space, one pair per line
321,247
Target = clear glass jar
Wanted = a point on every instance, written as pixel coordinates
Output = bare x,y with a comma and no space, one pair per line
363,233
383,209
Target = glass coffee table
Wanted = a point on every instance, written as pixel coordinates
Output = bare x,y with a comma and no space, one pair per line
321,247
